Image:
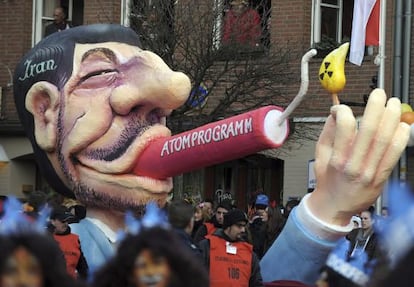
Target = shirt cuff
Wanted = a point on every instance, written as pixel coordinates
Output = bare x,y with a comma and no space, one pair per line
318,227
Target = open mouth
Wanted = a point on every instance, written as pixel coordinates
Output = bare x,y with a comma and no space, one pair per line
151,280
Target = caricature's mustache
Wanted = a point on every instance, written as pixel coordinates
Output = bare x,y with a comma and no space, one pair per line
128,135
135,127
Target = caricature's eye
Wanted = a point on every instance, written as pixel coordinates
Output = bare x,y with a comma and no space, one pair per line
97,73
97,78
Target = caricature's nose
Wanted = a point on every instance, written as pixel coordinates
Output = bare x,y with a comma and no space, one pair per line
148,81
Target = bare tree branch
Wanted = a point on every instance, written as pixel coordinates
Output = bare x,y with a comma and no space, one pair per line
227,79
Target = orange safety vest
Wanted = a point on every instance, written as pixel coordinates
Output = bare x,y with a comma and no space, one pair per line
210,228
228,269
70,246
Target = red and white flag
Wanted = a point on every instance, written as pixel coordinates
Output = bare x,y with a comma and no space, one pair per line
365,28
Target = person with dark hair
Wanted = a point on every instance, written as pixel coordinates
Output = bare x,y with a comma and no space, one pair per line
208,206
215,222
256,223
290,204
201,216
59,23
396,239
371,209
384,211
241,25
36,200
68,242
364,238
229,259
274,222
28,254
62,87
181,218
400,275
342,270
30,259
78,210
154,257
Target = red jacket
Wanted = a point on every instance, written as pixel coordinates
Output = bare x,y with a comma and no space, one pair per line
228,269
70,246
210,228
244,29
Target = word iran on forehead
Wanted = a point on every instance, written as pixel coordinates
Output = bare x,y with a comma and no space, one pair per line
34,69
211,134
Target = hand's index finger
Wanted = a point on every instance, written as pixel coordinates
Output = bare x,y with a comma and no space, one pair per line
344,134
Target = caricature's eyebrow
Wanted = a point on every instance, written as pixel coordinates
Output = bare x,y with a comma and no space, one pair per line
108,53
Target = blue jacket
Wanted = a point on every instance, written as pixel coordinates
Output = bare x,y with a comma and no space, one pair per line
297,254
96,247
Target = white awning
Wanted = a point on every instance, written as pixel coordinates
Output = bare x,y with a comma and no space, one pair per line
3,155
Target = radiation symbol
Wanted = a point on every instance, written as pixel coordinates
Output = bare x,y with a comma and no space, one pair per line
329,73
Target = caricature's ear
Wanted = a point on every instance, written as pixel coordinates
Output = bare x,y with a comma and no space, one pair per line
42,100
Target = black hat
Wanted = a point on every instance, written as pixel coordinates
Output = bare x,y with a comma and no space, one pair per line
234,216
62,214
226,204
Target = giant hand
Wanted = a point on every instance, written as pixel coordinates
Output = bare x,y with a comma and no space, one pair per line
351,166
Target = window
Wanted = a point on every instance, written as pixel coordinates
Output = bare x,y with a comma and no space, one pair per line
263,7
244,23
43,15
332,20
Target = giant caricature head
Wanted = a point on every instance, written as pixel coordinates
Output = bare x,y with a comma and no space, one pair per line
90,99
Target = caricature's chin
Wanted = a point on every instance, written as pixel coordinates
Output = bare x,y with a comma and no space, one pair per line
119,191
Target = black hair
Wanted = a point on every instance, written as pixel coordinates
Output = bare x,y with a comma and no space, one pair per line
51,60
180,213
226,204
209,200
371,210
46,250
260,206
401,275
290,204
187,270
